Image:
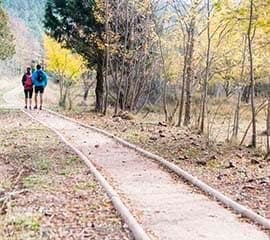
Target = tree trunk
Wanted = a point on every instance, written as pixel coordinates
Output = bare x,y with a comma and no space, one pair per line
259,109
164,93
120,95
123,72
165,109
63,95
189,74
107,55
237,115
61,91
207,70
246,94
182,98
70,100
237,110
253,142
85,94
268,129
63,101
99,88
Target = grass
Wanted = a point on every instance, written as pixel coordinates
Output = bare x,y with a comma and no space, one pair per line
72,160
65,173
43,165
39,182
6,184
25,223
33,158
93,207
85,185
190,152
28,226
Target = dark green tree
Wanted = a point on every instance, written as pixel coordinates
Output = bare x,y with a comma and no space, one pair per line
79,26
7,48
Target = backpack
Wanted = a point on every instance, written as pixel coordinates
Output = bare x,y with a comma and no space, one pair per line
28,84
39,76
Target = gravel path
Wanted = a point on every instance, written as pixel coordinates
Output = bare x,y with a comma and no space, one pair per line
169,210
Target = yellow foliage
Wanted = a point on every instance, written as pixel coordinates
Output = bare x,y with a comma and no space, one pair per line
62,61
171,46
98,11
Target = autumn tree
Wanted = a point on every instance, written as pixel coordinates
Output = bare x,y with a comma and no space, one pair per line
131,53
187,17
79,25
250,34
252,21
169,44
7,49
67,66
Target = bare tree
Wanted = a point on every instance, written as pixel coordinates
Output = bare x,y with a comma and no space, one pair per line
189,77
187,13
207,70
268,129
131,59
251,62
107,56
237,110
87,82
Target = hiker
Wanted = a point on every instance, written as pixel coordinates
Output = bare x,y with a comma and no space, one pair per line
40,80
28,87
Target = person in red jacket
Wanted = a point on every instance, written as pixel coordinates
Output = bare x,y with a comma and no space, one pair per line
28,87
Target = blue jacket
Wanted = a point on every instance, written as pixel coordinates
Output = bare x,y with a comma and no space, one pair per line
36,82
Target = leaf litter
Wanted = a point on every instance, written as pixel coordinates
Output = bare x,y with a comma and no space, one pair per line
240,173
46,192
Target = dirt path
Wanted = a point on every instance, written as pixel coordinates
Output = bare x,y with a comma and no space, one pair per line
168,209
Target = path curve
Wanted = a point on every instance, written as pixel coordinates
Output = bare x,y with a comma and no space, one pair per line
170,210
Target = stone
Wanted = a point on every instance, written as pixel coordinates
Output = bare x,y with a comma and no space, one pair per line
201,162
254,161
153,138
231,165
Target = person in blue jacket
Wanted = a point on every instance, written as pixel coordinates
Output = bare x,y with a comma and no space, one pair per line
40,81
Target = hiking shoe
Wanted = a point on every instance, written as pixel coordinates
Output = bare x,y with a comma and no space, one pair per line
35,107
40,108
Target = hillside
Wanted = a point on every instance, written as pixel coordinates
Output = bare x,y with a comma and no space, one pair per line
25,19
31,11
